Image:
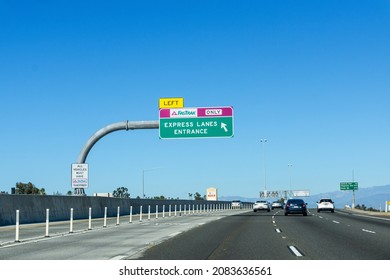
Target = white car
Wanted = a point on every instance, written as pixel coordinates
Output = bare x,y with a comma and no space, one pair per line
261,205
236,204
325,204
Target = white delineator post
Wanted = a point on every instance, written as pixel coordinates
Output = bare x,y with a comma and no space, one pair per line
89,218
131,214
105,217
117,216
71,221
47,223
17,227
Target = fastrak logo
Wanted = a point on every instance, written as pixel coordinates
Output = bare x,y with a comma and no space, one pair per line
184,113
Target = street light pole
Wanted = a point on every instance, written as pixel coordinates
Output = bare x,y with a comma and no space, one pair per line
289,168
143,179
143,183
353,191
263,141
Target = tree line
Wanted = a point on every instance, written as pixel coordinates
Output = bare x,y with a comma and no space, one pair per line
29,188
121,192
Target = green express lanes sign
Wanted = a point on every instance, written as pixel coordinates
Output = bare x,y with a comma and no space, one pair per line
212,122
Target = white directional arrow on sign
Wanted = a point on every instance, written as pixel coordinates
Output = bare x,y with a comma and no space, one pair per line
223,125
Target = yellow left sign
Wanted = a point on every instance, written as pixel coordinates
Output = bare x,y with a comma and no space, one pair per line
172,102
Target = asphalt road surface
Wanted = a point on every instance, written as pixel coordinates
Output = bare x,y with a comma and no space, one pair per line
112,241
273,236
222,235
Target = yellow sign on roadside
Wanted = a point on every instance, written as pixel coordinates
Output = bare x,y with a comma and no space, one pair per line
172,102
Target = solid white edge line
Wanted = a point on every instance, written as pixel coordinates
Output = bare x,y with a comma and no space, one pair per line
120,257
175,233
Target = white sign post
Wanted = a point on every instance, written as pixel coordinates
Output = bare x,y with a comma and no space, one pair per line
79,175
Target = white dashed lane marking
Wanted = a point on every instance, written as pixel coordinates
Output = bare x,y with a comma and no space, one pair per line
295,251
368,231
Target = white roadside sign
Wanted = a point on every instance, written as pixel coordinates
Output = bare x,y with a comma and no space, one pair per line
80,175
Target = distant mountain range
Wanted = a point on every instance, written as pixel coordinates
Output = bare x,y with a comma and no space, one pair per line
374,197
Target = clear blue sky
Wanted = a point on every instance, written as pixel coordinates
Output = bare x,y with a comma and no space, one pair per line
311,77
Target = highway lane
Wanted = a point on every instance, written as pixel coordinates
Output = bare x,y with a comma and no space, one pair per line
337,236
55,228
273,236
222,235
101,243
38,230
246,236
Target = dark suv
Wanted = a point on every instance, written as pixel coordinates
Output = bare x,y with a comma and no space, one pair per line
295,206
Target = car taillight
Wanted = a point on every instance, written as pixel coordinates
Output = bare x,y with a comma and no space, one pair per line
287,205
304,205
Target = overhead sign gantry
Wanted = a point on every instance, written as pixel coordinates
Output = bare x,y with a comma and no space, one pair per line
174,122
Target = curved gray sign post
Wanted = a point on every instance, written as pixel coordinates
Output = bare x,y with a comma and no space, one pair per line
125,125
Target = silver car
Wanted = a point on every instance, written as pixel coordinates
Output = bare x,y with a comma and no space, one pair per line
261,205
236,204
276,204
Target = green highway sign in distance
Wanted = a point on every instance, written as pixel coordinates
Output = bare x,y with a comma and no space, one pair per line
213,122
348,186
